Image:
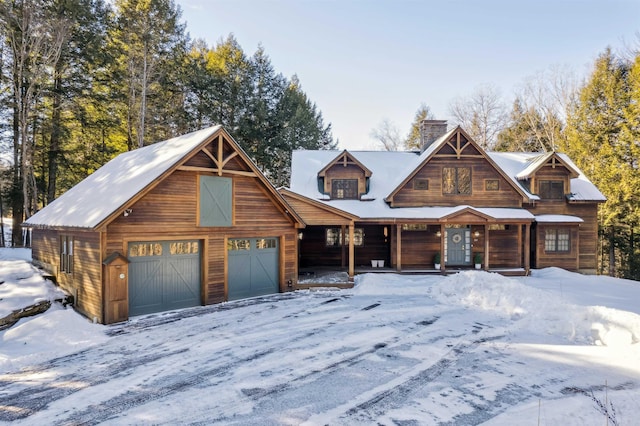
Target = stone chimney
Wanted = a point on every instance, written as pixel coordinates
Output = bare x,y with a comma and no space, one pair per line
430,130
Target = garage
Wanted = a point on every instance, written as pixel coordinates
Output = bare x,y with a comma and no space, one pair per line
253,267
163,276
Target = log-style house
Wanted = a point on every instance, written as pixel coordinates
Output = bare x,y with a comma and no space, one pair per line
452,203
183,222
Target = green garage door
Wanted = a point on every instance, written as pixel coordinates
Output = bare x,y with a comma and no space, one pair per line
253,267
163,276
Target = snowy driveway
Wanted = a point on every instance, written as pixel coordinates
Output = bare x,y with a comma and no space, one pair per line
394,350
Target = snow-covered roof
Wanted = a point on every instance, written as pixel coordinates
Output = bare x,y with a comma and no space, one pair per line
110,187
516,163
390,168
557,218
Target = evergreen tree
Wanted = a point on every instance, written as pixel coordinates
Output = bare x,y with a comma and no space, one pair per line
413,141
148,40
595,142
527,131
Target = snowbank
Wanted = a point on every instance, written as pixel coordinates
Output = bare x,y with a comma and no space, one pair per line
534,309
56,332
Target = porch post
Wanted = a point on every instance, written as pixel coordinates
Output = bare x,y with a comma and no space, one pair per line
527,248
442,253
352,229
486,247
520,246
342,251
398,247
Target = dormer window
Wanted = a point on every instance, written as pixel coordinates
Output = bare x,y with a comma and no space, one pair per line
346,189
551,189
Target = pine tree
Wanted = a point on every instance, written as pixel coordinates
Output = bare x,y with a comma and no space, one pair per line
413,140
149,40
528,131
594,140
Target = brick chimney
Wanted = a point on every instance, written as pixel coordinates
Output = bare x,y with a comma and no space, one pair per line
430,130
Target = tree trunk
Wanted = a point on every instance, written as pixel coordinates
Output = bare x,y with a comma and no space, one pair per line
54,145
612,251
16,184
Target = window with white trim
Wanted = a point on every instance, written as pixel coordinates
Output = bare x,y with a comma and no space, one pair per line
557,240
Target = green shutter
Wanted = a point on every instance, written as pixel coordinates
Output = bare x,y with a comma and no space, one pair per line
216,201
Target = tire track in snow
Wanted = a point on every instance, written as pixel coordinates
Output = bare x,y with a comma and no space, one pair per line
373,404
35,397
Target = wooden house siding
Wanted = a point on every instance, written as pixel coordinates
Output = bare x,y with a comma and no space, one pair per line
169,212
418,248
505,249
349,171
85,282
481,171
587,231
315,215
568,260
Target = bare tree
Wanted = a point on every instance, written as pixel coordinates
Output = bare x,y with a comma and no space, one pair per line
388,135
545,98
34,39
482,115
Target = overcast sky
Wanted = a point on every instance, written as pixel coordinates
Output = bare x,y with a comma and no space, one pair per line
364,61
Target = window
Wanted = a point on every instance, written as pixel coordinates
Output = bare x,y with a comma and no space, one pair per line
266,243
66,254
557,240
334,237
551,189
456,180
183,247
238,245
421,184
492,185
499,227
414,227
216,201
145,249
344,189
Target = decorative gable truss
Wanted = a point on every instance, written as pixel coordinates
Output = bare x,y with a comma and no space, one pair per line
216,163
453,168
344,178
217,157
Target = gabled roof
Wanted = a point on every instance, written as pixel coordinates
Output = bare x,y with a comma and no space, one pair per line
346,159
513,163
101,196
391,168
437,145
537,163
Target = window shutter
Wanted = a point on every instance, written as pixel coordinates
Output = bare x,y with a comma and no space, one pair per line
216,201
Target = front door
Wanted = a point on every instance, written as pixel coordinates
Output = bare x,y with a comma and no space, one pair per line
458,250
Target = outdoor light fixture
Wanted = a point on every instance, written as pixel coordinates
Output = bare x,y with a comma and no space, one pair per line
127,212
476,234
438,234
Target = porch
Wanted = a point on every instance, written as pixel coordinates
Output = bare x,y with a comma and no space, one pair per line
458,244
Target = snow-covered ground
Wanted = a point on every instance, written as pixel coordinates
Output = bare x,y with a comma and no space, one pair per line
471,348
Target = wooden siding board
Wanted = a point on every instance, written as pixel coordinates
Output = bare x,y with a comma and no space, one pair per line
85,281
481,170
170,211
